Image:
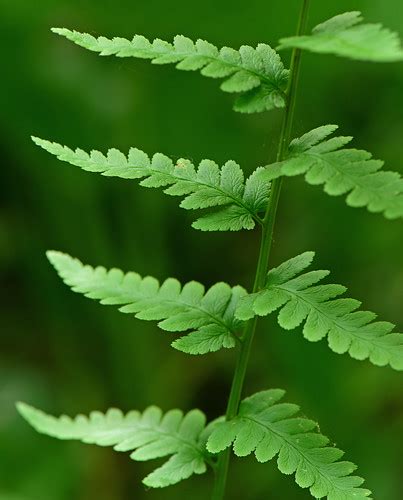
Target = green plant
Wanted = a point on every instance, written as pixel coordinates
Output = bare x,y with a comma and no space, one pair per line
225,316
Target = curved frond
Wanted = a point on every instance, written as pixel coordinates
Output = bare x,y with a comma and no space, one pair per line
266,427
258,74
209,315
301,300
208,186
343,171
148,435
343,35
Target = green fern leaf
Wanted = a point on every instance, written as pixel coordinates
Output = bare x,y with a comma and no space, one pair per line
148,435
258,74
268,428
209,315
343,171
301,300
344,36
208,186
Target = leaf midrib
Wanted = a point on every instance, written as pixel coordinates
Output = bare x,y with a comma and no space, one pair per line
346,44
157,430
216,319
239,201
355,179
184,55
286,437
313,305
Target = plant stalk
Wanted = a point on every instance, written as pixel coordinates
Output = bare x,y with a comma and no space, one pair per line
221,471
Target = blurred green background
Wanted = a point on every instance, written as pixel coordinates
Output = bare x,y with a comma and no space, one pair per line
64,353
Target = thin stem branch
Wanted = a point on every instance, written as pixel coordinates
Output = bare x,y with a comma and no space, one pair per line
221,471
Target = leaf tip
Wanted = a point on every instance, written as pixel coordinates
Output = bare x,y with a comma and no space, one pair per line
59,260
60,31
22,408
38,141
53,255
309,255
26,411
178,345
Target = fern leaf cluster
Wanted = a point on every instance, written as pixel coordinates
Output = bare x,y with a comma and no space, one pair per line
301,300
148,435
263,425
267,427
208,186
209,315
258,74
343,171
343,35
212,319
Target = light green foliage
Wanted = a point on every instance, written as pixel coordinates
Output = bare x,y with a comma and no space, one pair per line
268,428
213,319
343,171
258,74
209,315
205,187
344,36
148,435
301,300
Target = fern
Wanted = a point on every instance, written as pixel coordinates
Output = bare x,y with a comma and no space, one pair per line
258,74
344,36
148,435
209,315
343,171
348,330
205,187
224,316
269,428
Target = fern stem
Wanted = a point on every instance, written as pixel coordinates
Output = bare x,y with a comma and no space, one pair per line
221,471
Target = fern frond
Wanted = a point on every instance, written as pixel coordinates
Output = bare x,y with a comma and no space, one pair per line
268,428
342,35
148,435
209,315
343,171
208,186
258,74
301,300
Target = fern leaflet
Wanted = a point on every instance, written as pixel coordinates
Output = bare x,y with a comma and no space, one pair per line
269,428
205,187
344,36
343,171
258,74
147,435
348,330
209,315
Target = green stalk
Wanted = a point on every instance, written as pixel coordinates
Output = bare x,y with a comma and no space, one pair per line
221,471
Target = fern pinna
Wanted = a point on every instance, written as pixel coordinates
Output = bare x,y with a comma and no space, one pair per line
202,321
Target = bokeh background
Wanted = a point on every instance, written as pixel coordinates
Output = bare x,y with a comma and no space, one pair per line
64,353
